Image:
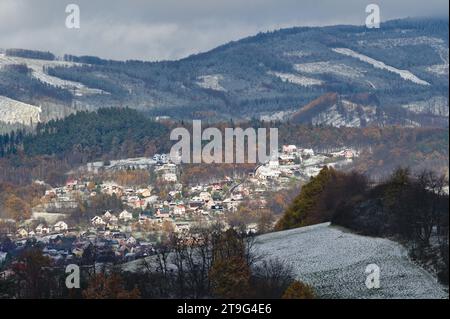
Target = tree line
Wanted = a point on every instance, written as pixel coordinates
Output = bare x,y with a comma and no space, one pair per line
212,264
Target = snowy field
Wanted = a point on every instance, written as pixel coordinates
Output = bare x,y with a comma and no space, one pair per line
296,79
334,262
439,69
327,67
211,82
404,74
12,111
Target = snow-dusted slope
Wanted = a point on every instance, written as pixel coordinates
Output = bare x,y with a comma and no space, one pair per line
12,112
437,106
334,262
404,74
211,82
355,115
38,66
296,79
327,67
402,41
335,110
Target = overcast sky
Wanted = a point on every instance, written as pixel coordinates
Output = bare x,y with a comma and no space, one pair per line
171,29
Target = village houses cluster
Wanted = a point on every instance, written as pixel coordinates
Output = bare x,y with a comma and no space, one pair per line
132,232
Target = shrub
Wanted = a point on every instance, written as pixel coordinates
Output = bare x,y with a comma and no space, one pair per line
299,290
230,278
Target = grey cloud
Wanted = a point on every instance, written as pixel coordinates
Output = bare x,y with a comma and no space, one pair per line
170,29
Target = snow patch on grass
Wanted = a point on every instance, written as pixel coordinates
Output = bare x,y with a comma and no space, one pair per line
327,67
439,69
296,79
211,82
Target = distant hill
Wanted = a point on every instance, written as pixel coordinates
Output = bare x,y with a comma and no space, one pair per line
403,66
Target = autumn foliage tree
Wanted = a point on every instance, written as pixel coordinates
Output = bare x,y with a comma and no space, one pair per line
299,290
16,208
103,286
304,203
319,198
230,278
131,177
230,272
31,272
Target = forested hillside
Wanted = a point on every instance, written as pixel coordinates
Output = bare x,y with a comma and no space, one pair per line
17,83
402,66
114,133
60,145
109,131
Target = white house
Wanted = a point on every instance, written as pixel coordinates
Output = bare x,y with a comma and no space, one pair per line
264,172
162,214
197,199
60,226
113,220
289,149
107,215
97,221
308,152
144,192
273,164
152,199
125,216
252,228
179,210
287,158
131,241
42,230
197,188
